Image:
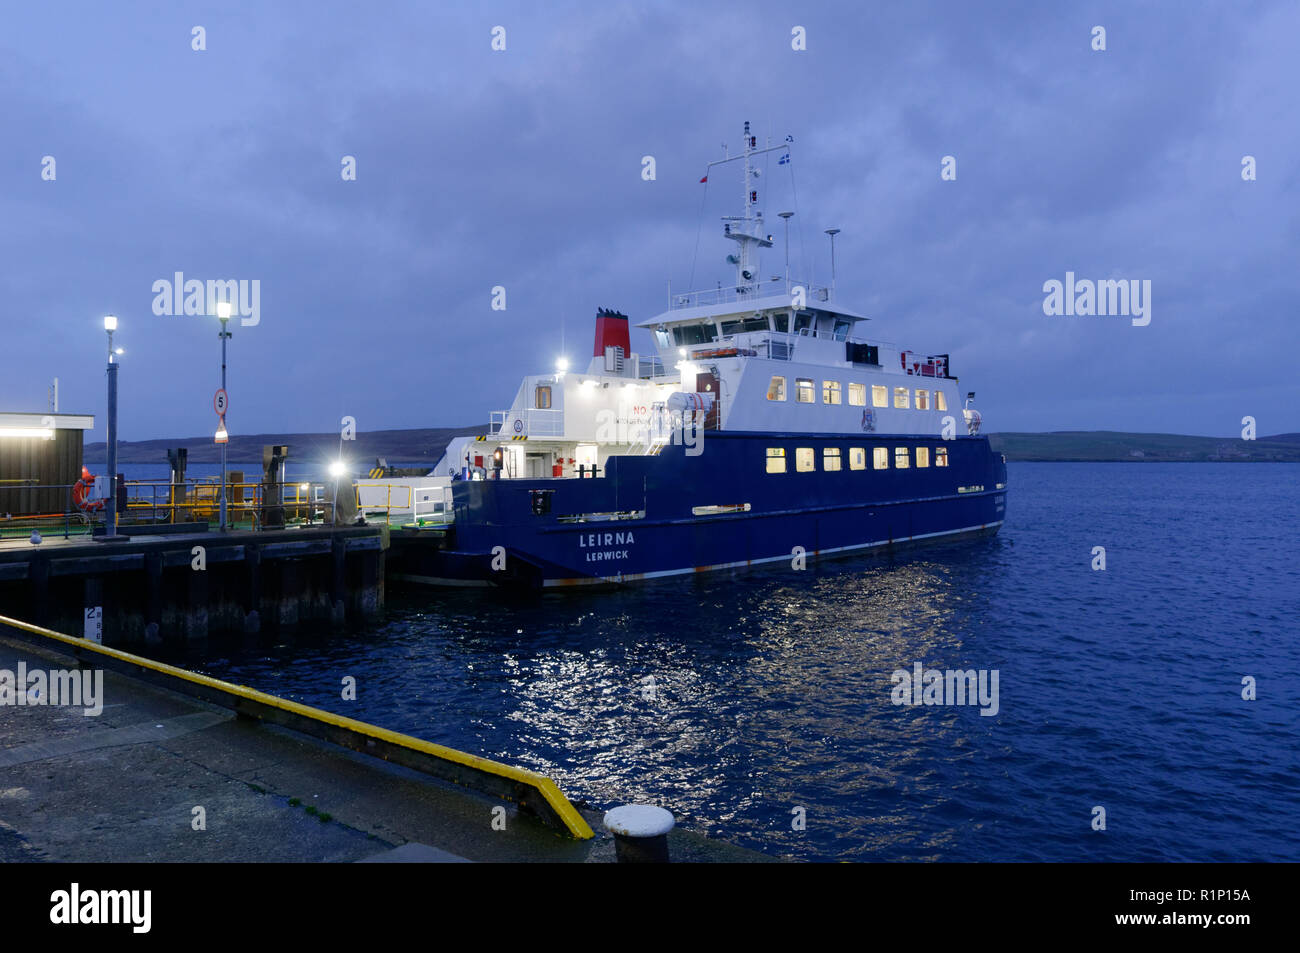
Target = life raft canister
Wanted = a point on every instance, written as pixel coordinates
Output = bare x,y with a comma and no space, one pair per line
81,489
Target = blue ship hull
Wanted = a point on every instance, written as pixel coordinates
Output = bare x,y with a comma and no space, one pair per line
672,513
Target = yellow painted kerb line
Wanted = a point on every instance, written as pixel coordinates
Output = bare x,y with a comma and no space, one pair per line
574,821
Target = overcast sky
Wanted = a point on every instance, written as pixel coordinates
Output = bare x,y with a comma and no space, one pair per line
523,168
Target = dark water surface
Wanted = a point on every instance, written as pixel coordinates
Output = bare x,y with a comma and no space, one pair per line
1120,689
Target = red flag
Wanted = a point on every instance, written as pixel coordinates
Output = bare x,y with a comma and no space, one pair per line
705,179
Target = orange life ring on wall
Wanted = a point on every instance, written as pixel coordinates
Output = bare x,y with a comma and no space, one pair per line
81,489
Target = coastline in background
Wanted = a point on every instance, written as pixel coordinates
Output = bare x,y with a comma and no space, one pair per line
427,445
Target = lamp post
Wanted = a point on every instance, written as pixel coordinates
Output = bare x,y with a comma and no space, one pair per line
110,509
223,313
832,232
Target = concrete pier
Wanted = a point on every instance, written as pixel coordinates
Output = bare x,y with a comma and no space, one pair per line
132,784
186,586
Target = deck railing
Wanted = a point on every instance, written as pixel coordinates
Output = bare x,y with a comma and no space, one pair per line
743,293
528,423
161,501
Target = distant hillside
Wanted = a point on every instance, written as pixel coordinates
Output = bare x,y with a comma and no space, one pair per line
427,445
1109,446
410,446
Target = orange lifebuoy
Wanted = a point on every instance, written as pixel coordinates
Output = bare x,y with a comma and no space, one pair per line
80,491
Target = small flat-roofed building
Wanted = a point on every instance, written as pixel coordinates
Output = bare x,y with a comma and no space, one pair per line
40,458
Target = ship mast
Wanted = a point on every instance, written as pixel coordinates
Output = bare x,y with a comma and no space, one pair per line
747,229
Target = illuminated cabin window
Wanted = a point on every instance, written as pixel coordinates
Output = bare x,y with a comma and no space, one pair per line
941,456
922,399
940,400
830,392
879,395
776,389
857,395
543,397
722,508
804,459
901,459
775,459
880,458
857,458
831,459
900,398
803,393
922,456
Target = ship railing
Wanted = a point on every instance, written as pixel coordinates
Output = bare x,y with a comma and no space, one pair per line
742,293
432,505
529,422
777,345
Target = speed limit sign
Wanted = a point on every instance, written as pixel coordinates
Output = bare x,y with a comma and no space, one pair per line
219,401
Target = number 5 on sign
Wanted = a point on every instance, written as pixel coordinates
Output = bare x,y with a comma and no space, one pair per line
95,625
219,401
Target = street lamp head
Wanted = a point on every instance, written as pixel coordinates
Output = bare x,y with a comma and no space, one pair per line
120,350
785,215
223,310
110,322
338,468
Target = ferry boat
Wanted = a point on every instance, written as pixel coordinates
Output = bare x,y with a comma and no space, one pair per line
763,424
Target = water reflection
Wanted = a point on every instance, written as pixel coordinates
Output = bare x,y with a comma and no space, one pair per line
772,688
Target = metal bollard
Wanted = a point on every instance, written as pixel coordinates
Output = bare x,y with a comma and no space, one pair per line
640,833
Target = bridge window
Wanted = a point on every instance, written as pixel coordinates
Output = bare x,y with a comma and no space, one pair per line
857,395
941,456
900,398
743,325
782,322
880,458
922,399
831,458
857,458
922,456
685,335
802,321
830,392
542,399
804,459
940,400
776,389
901,459
775,459
804,391
879,396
